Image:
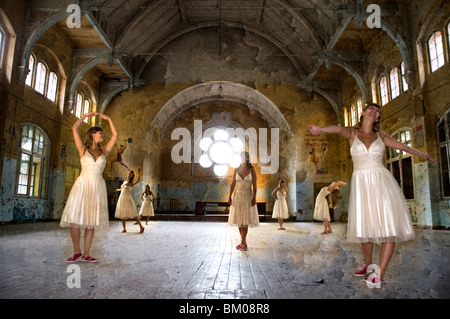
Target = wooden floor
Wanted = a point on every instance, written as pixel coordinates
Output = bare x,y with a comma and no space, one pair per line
198,260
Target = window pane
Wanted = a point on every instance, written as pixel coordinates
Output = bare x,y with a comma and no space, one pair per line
445,171
405,84
448,125
395,89
441,132
30,71
87,107
384,91
52,86
408,185
23,174
436,51
27,138
41,74
78,105
396,172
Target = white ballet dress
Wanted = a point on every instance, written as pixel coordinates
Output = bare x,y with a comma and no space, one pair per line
125,208
147,206
321,208
242,213
377,210
280,208
87,204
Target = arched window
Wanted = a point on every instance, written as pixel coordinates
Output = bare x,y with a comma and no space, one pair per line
436,51
78,105
52,86
354,114
32,164
443,132
384,90
359,107
29,80
395,85
41,76
400,163
404,83
2,40
87,108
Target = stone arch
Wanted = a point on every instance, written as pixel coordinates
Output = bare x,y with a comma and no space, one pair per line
225,91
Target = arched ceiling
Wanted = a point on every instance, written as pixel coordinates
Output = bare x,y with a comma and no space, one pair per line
323,40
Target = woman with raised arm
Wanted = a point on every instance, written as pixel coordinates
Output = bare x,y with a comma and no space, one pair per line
87,205
377,211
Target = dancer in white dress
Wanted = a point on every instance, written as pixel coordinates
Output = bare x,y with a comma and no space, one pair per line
322,207
147,206
280,208
377,209
87,204
126,208
242,199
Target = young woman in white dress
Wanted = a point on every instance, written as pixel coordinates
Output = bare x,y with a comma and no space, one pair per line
280,208
378,212
87,204
146,209
242,199
322,207
126,208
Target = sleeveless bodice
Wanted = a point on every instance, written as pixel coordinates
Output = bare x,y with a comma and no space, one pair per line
367,158
90,166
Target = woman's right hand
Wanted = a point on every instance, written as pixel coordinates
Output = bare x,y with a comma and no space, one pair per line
313,129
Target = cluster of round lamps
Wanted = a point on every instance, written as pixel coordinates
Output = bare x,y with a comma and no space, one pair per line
221,152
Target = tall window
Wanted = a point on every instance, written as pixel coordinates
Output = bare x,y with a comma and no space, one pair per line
78,105
52,86
384,90
87,108
436,51
354,114
395,85
32,164
29,79
443,129
400,163
2,40
82,106
404,83
42,81
359,107
41,76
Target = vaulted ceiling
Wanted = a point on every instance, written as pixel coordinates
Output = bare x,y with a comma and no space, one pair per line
323,40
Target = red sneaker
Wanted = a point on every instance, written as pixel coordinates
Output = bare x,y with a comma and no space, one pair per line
362,271
73,258
89,259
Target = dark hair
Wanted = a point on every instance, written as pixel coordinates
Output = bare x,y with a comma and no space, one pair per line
376,125
130,179
333,198
89,139
248,161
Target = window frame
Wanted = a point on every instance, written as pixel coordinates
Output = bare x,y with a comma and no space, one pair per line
387,88
445,119
394,83
436,58
31,173
394,155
